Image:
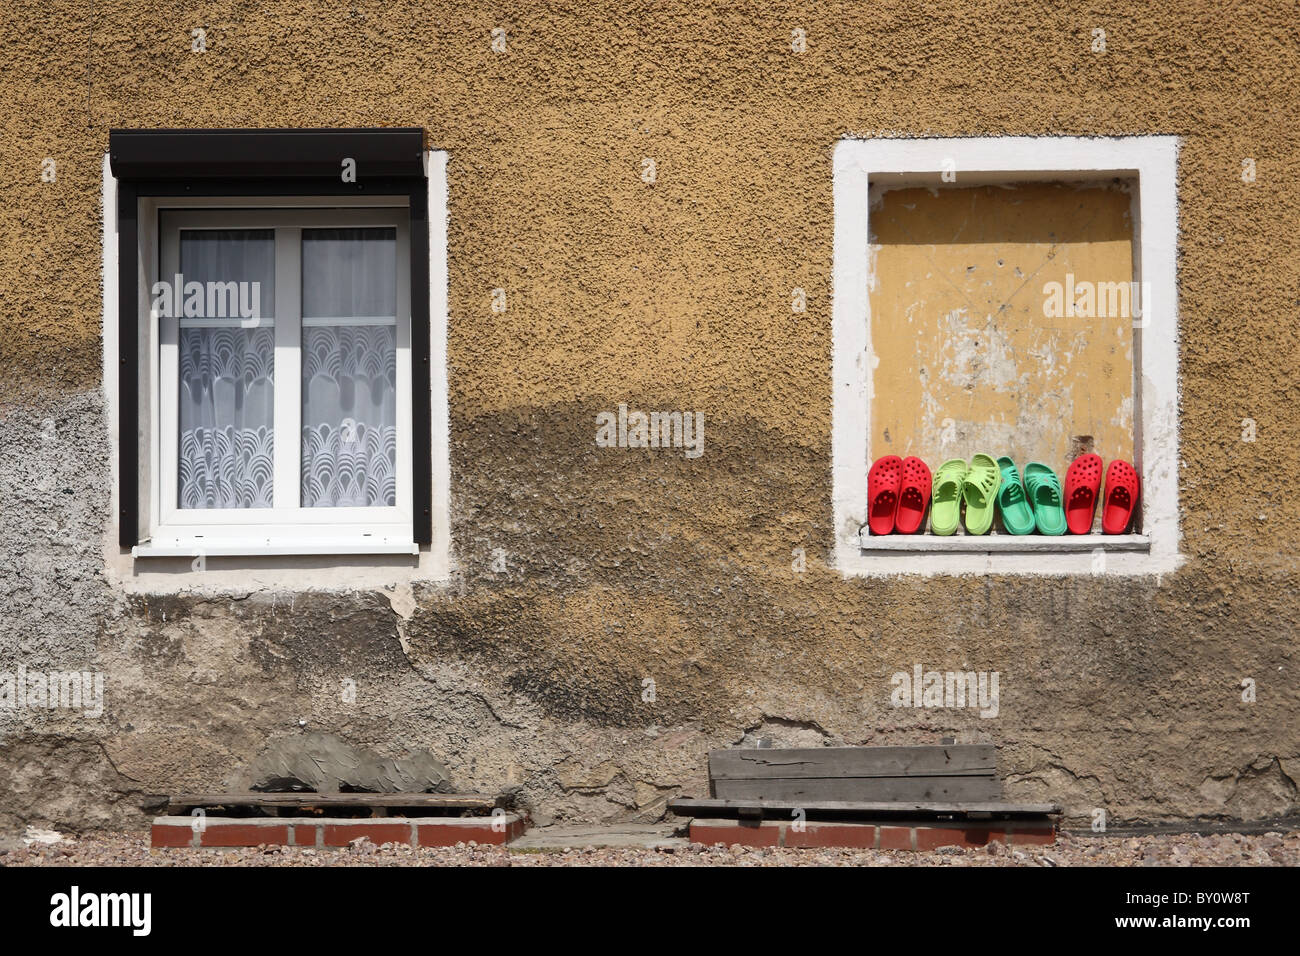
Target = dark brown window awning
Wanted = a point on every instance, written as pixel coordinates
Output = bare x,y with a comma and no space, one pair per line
278,154
256,163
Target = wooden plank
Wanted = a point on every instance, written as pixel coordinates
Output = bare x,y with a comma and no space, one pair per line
979,810
451,801
951,760
880,789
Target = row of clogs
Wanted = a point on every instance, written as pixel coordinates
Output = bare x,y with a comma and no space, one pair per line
899,490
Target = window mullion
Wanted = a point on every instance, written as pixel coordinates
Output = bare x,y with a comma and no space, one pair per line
288,367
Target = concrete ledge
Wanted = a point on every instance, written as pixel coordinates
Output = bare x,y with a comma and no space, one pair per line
870,836
647,836
265,549
962,543
207,831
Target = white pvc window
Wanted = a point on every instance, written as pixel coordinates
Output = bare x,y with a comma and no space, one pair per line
283,401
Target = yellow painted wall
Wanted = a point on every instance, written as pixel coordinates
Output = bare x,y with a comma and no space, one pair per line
968,359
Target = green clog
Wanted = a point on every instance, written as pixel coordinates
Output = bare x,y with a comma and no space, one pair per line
945,499
1045,497
980,493
1013,506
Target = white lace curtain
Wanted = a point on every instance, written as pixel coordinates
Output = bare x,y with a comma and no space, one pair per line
227,445
349,367
349,377
349,417
227,376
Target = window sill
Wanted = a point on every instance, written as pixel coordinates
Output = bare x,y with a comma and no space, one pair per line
268,549
1001,543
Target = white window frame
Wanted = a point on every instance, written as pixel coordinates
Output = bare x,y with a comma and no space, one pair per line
1153,162
286,520
435,560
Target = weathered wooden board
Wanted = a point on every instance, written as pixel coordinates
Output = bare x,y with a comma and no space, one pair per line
453,801
954,773
981,810
951,760
955,789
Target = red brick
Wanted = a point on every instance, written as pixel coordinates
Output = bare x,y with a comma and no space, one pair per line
930,838
445,834
304,835
164,834
766,834
1037,836
341,834
895,838
514,830
832,834
242,834
978,836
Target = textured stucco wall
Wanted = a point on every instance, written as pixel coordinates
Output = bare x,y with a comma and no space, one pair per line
622,565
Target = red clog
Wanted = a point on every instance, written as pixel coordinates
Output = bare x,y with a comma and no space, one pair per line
1122,488
882,493
913,496
1082,488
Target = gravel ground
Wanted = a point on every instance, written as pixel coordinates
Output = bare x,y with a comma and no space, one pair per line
1232,849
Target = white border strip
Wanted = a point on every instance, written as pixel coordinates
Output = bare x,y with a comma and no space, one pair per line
1155,161
110,377
440,550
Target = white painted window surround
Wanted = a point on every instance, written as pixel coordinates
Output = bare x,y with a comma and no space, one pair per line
1153,161
351,532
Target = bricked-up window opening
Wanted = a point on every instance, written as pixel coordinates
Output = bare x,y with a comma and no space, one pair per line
968,357
954,333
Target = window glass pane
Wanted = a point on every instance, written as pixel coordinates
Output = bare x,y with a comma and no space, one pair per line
227,404
227,382
349,368
235,272
348,273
